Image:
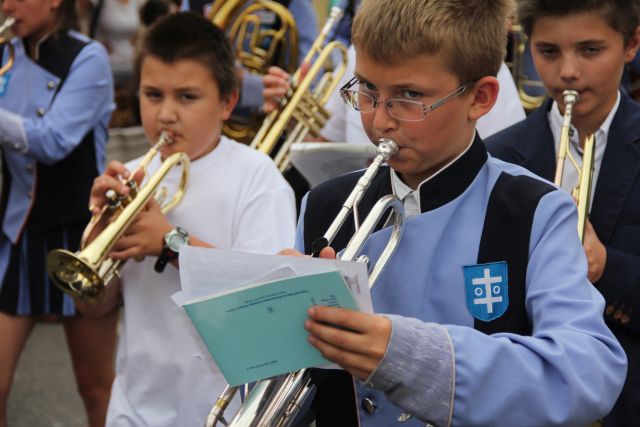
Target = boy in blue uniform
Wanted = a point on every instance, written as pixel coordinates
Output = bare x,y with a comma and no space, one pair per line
489,316
584,46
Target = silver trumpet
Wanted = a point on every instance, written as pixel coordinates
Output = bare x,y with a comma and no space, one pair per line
276,401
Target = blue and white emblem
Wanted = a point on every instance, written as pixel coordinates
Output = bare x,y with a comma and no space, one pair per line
487,290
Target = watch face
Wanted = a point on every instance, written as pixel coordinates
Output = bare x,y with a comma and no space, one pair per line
175,241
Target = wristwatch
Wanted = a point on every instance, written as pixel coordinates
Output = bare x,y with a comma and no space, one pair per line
174,240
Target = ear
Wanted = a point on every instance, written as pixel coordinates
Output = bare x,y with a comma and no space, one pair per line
485,94
55,4
229,103
632,46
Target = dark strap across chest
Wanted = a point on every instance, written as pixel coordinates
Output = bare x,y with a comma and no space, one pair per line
505,237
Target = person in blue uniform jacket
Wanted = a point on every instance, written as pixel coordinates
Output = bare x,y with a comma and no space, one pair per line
484,315
584,46
55,105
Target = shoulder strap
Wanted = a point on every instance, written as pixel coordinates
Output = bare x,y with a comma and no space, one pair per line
505,237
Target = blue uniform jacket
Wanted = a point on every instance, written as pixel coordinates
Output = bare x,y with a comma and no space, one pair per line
37,131
441,370
615,215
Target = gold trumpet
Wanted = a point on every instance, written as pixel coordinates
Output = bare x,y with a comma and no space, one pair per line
276,401
8,23
302,103
582,192
258,46
86,274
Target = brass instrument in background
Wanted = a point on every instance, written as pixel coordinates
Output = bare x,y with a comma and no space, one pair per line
306,99
276,401
8,23
524,83
258,46
581,193
86,273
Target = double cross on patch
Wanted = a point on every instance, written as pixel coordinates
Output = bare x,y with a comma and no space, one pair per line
487,290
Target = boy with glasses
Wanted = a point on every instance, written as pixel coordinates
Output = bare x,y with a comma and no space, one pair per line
489,316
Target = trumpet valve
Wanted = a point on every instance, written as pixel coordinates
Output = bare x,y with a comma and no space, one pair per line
114,200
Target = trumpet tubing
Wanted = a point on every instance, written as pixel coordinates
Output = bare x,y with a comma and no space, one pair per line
85,274
582,192
302,103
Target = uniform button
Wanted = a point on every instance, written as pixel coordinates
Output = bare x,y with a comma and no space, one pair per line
29,168
610,310
17,147
51,84
40,112
369,405
625,319
404,417
30,194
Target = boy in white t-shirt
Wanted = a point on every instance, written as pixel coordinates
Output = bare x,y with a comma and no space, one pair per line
235,199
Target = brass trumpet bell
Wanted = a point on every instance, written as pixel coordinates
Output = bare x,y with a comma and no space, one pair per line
76,275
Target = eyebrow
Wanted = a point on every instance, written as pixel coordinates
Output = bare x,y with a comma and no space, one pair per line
580,43
400,87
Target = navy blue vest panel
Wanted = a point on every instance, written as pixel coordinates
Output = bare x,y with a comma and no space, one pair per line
62,191
510,212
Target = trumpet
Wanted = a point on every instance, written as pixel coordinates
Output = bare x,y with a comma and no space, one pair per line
276,401
8,23
302,103
582,192
86,273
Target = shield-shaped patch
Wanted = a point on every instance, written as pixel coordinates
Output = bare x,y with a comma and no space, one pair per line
487,290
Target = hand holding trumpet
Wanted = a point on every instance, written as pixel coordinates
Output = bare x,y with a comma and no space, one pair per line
144,236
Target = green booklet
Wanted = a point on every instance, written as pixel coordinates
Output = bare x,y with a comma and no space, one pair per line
257,331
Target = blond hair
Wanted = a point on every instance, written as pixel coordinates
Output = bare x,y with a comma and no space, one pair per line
468,36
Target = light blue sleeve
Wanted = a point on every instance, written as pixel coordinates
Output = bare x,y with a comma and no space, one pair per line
84,102
569,372
299,244
307,22
251,91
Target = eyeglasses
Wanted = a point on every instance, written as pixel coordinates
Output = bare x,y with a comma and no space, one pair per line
401,109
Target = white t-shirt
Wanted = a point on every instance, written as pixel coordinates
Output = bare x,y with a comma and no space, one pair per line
237,199
345,123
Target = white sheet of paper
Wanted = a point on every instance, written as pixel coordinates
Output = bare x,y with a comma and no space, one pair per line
321,161
206,271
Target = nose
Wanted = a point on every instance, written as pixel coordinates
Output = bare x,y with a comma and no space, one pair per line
383,122
167,113
569,68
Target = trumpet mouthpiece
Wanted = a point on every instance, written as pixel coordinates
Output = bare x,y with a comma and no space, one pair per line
166,137
387,148
570,97
8,23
